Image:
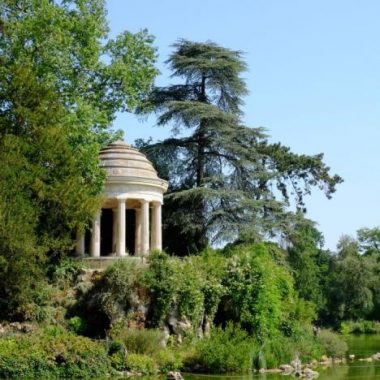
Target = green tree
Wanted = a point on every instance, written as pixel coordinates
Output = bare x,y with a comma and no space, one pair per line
349,288
61,82
369,246
310,263
225,179
369,240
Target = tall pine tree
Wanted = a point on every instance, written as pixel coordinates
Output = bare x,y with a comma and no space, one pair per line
226,179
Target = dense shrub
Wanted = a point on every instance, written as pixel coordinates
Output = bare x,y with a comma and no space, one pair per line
226,350
189,298
117,289
333,345
140,363
66,273
77,325
52,353
110,297
146,341
259,293
117,354
168,360
159,281
281,349
190,286
211,266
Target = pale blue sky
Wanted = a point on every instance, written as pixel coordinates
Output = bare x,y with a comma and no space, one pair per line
314,82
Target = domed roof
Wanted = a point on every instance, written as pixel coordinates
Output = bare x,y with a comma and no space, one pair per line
121,160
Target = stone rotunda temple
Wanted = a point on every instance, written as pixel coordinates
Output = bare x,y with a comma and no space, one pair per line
129,221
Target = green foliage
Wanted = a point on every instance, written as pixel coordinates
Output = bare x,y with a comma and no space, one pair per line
160,285
259,292
360,327
77,325
225,178
279,350
226,350
191,287
65,274
117,289
140,363
52,353
168,360
211,266
345,328
58,95
189,297
117,353
145,351
233,350
333,345
309,262
349,290
146,341
369,240
18,288
351,285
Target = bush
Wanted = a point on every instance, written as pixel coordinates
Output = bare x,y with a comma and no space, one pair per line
77,325
52,353
167,360
139,363
190,286
140,341
67,272
159,281
273,352
117,353
189,298
259,293
360,327
117,289
332,343
226,351
279,350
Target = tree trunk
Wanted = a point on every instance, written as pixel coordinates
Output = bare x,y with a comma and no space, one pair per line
201,137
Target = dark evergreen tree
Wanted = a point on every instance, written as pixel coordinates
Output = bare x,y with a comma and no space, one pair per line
226,180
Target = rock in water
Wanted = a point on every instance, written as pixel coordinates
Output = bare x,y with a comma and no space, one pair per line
174,375
310,374
286,368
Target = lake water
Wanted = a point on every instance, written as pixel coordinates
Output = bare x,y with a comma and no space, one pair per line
362,346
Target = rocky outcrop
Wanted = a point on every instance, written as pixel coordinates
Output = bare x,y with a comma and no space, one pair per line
286,369
178,326
295,368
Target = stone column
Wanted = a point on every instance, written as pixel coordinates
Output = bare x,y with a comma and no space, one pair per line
120,243
115,222
144,227
80,247
95,236
156,226
138,232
